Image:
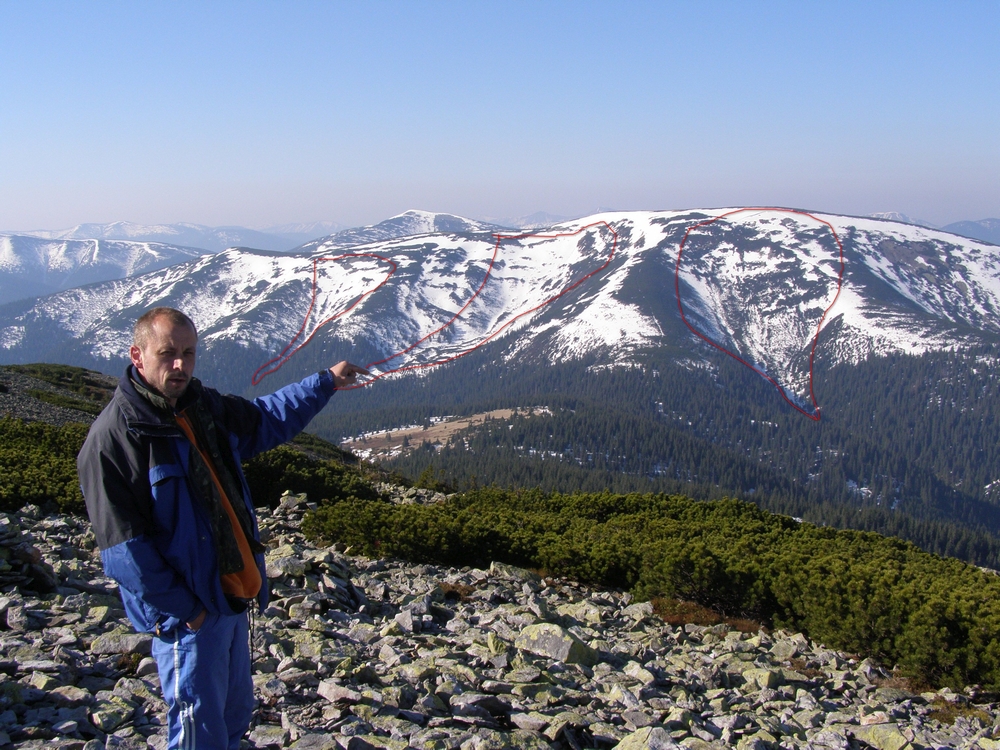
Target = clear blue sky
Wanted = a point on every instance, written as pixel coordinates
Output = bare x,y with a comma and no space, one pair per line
257,113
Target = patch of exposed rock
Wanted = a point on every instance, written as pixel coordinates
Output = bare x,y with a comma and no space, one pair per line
16,400
409,495
355,654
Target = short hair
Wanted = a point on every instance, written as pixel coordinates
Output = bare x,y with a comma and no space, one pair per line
144,325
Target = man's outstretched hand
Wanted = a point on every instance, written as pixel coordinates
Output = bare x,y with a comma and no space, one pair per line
344,373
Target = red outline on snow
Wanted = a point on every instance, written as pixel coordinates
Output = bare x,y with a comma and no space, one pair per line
286,354
840,279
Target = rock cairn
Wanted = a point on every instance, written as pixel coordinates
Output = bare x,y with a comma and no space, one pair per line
356,654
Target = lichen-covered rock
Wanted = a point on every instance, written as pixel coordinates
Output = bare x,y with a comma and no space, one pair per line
503,570
337,693
648,738
122,643
555,642
107,715
882,736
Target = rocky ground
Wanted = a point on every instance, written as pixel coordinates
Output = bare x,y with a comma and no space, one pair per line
356,654
16,400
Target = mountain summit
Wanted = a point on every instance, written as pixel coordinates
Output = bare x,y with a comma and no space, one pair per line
407,224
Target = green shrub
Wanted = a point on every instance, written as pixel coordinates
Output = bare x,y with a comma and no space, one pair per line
434,481
76,379
283,468
58,399
39,465
936,618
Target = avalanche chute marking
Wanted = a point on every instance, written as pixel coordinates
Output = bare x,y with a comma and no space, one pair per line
812,353
285,355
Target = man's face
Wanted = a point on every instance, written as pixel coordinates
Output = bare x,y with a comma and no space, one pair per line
166,362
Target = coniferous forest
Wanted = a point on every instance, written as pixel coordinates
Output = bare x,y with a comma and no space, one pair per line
907,445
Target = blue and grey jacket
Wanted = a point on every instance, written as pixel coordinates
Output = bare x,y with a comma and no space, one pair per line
155,538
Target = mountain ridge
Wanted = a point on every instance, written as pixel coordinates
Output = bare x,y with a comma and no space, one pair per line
282,238
33,267
746,281
987,230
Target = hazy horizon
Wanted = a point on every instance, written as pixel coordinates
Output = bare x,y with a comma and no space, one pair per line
286,228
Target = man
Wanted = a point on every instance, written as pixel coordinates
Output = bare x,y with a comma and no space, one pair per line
172,514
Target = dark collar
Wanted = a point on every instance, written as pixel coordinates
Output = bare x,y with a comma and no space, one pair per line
140,412
159,402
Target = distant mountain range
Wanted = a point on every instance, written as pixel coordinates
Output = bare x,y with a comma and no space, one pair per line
987,230
211,239
756,283
279,238
32,266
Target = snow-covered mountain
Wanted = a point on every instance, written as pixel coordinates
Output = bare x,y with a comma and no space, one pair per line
210,239
32,266
987,230
760,281
756,282
406,224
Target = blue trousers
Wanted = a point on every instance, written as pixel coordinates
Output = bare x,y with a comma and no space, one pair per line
206,682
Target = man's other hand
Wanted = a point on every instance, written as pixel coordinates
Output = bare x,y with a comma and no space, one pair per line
197,622
344,373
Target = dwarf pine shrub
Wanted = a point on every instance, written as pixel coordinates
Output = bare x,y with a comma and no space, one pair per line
936,618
